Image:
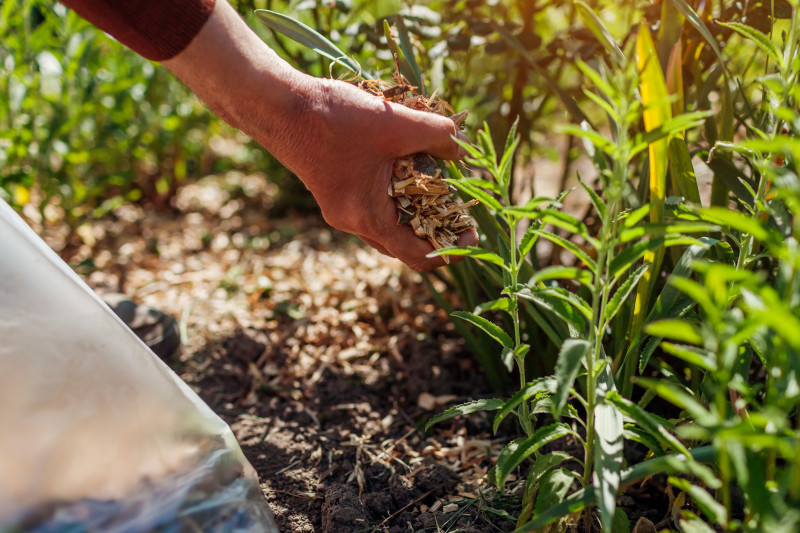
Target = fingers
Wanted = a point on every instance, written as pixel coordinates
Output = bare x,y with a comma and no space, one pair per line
425,132
375,244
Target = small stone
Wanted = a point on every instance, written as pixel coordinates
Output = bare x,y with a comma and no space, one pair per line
426,401
450,508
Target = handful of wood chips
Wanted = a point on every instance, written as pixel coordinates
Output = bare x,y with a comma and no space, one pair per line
424,200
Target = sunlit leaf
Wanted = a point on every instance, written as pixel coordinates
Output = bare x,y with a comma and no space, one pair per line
520,449
308,37
491,329
488,404
471,251
572,353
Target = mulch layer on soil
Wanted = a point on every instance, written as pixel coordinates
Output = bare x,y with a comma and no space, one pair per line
325,358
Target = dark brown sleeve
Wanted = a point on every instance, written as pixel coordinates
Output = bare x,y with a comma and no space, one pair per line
155,29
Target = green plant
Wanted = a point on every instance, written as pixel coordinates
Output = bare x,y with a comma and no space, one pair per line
87,125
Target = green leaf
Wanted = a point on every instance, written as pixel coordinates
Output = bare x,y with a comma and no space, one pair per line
657,427
487,404
694,356
528,241
471,251
520,449
572,353
596,26
608,459
582,276
598,203
624,291
735,220
681,169
553,488
578,303
545,463
570,246
583,498
762,41
308,37
693,524
679,330
491,329
500,304
557,308
630,255
408,53
705,501
695,20
478,194
541,385
676,396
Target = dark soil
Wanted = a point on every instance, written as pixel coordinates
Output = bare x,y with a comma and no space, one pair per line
325,358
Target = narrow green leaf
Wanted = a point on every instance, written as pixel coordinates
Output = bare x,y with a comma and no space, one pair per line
608,459
735,220
545,463
471,251
598,203
520,449
624,291
500,304
596,26
570,246
528,240
572,353
573,299
308,37
408,53
557,308
676,396
691,354
705,501
680,330
681,169
659,428
693,524
539,386
695,20
478,194
583,498
487,404
491,329
582,276
553,488
762,41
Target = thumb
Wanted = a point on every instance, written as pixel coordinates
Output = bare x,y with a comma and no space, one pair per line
419,131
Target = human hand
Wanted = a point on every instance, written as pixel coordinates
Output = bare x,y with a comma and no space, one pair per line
344,153
339,140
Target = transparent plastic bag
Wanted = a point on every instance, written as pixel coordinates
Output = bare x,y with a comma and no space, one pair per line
96,433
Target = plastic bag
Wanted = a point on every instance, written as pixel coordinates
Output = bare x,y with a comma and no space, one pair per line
96,433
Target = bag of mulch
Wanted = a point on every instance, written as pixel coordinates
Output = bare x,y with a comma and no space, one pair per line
96,433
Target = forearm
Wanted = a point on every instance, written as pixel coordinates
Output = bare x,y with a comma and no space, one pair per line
243,80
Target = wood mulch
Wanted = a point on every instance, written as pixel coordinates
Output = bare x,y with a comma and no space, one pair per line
325,357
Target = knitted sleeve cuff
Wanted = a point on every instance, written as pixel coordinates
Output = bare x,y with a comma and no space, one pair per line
155,29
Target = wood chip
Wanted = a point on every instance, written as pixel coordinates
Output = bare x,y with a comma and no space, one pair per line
424,200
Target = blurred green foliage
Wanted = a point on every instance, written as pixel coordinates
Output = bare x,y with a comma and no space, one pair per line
86,124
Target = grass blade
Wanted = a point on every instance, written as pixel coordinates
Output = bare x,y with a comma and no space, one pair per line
308,37
596,26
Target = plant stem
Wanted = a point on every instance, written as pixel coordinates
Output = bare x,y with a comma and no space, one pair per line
524,414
